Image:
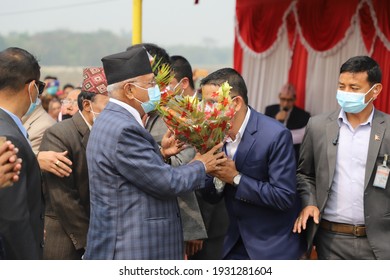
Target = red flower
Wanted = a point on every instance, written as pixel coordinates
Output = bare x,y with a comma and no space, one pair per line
225,102
216,113
215,94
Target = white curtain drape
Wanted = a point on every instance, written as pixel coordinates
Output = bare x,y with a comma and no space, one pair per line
265,75
323,72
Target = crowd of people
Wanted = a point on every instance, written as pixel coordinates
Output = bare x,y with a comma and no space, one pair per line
93,172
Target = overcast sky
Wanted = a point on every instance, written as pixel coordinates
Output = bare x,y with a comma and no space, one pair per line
165,22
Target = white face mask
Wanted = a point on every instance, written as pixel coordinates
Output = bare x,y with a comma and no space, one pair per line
175,87
95,115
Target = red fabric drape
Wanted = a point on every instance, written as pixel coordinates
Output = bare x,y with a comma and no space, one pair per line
324,22
382,56
367,26
297,71
382,9
292,31
259,21
299,61
237,54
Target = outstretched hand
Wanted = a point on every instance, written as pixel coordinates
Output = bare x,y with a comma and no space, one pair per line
55,162
170,146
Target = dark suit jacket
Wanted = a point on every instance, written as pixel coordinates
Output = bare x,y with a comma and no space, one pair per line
298,119
316,169
22,205
134,210
67,198
216,220
263,207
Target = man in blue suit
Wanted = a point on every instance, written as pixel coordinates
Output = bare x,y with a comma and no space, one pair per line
134,210
260,183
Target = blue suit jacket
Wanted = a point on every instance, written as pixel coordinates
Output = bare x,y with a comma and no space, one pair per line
263,207
134,211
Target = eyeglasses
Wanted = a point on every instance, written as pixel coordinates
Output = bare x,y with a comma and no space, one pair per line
40,85
152,83
69,102
286,99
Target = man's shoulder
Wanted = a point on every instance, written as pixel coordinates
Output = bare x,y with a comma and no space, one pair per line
39,124
271,109
301,111
272,106
62,127
46,120
381,114
382,117
324,118
266,122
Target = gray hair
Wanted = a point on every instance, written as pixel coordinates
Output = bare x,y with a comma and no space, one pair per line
113,87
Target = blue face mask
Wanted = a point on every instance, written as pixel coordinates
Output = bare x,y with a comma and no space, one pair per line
33,105
154,98
353,102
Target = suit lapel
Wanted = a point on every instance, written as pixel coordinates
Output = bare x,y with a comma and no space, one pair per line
376,137
27,123
247,140
332,134
82,128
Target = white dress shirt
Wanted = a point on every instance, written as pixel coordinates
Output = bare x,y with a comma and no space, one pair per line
231,146
132,111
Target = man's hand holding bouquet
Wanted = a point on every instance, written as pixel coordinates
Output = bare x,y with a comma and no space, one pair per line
201,124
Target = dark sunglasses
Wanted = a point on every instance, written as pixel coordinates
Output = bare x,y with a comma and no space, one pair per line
41,85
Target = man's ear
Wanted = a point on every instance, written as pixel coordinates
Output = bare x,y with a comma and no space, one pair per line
377,90
87,105
185,83
129,91
238,101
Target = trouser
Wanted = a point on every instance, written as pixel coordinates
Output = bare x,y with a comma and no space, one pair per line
339,246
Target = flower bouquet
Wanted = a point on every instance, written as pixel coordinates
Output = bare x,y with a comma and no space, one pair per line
164,73
202,124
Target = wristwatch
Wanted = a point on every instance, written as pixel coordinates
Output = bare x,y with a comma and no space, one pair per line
236,179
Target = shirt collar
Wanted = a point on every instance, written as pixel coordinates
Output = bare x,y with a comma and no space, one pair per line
86,122
132,111
18,122
241,131
342,118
